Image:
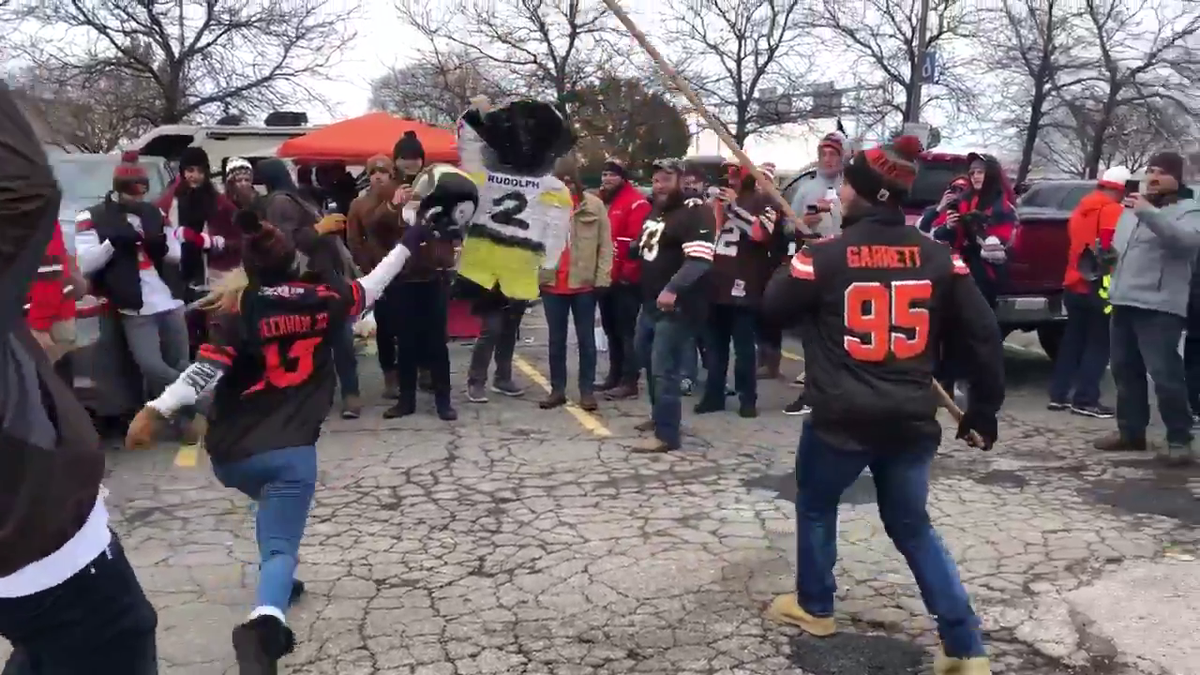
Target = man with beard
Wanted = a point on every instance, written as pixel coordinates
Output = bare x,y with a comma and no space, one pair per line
619,304
741,264
1156,243
70,603
676,250
210,243
875,303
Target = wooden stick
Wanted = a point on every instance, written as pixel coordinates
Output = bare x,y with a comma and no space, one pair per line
713,123
765,183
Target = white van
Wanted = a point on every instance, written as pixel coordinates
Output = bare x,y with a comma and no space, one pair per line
220,142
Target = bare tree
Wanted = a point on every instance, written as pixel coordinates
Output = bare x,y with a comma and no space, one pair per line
1147,61
437,86
87,108
1133,133
549,47
747,59
1033,50
882,37
201,57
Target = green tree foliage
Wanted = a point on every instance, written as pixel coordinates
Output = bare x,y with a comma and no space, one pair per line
619,117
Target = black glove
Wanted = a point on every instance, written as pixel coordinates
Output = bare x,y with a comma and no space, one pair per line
983,424
125,239
248,221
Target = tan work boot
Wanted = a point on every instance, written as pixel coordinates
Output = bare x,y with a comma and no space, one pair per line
1115,442
391,385
945,665
651,446
785,609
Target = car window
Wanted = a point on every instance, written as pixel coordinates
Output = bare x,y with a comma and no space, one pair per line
1060,196
85,179
933,177
1073,196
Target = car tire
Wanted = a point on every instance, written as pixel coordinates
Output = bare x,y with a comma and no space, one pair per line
1050,337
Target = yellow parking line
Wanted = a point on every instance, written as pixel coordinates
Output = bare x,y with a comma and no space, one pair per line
791,357
187,455
588,420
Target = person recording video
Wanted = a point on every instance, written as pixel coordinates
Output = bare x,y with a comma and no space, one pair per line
978,223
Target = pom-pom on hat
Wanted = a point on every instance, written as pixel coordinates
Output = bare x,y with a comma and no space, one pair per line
1114,178
409,147
885,174
129,174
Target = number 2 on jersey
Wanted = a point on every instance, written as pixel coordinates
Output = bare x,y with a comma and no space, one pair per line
885,319
297,367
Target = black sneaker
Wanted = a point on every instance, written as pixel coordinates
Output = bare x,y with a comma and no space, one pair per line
797,407
260,643
1100,412
706,406
1057,405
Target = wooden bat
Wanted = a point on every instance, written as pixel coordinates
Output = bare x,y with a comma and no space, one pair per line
674,80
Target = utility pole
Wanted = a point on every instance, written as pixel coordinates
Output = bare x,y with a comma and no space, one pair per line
914,102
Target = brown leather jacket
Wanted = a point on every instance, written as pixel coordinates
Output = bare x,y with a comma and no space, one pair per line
369,213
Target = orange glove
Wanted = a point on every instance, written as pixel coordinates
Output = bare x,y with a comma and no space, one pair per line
334,222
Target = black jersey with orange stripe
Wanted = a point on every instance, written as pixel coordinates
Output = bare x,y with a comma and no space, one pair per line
278,375
685,228
878,306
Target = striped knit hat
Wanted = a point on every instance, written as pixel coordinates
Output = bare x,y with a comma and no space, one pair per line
885,174
129,175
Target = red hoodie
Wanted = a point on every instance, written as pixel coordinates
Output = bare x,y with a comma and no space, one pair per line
48,303
627,210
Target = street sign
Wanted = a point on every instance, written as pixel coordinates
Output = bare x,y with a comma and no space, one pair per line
930,66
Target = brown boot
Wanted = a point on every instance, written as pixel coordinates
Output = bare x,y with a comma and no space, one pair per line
625,390
553,400
769,359
652,446
391,385
1115,442
785,609
945,665
588,402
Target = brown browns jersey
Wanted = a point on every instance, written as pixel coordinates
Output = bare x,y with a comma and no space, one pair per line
743,259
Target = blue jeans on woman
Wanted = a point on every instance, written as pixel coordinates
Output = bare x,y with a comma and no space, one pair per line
901,475
345,361
559,308
1083,352
282,483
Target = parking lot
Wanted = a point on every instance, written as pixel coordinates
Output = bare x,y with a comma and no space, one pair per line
526,541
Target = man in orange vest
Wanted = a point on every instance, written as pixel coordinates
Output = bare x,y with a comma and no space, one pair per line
1083,353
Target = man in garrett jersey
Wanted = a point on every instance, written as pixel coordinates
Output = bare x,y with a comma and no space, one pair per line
676,249
875,304
741,266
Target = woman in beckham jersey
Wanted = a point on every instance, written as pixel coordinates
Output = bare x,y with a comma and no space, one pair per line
270,365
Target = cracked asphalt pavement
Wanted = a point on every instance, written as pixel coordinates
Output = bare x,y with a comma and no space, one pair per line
523,541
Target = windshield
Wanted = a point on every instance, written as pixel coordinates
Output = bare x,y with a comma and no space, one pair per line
1061,196
932,179
85,179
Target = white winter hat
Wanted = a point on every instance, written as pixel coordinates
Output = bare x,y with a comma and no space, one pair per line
1114,178
235,164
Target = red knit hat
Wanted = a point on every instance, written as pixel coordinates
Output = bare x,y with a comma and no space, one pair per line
129,174
885,174
835,140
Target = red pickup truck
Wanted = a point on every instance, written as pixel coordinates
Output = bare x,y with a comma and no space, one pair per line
1031,298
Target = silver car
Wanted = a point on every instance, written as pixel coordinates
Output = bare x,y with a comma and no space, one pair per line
106,379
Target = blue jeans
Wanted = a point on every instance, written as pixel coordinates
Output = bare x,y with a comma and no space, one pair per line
901,474
663,340
1083,352
282,483
344,360
98,621
581,306
725,323
1145,341
690,367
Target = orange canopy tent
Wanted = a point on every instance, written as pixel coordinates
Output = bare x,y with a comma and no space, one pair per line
356,140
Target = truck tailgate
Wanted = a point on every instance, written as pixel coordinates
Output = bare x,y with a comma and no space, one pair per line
1038,256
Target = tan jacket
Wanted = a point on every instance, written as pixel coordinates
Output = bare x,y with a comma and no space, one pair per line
591,247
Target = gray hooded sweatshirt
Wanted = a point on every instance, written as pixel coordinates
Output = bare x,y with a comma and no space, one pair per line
1156,251
812,189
